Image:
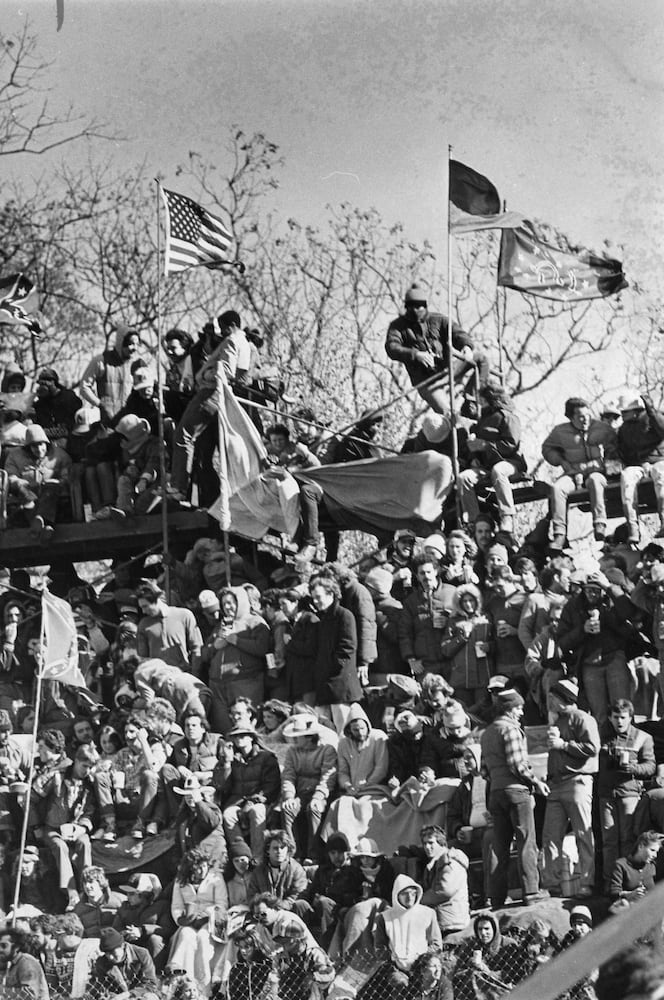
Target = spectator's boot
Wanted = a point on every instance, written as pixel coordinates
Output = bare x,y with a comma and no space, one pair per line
557,544
599,531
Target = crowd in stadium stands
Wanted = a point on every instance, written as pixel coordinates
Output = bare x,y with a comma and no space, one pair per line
280,776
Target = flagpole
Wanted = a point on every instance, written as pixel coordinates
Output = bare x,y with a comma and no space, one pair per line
450,356
501,301
160,412
31,772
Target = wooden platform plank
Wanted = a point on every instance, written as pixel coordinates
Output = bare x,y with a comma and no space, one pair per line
81,542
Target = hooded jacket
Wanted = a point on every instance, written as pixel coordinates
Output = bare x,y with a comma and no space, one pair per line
246,655
362,766
500,962
445,884
466,668
22,464
406,933
107,381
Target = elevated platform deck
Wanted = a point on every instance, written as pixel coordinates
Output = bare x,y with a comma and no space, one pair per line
82,542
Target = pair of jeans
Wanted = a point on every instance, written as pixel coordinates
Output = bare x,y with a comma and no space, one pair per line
630,477
617,821
595,483
605,683
197,417
570,801
512,811
499,474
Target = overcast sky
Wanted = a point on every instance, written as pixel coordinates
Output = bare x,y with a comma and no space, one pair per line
559,104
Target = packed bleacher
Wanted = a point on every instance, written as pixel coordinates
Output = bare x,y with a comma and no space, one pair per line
421,773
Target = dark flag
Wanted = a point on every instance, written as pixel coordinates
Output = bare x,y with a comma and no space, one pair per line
194,236
18,298
530,265
475,203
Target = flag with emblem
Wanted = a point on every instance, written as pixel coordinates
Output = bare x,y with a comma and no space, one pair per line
528,264
60,649
474,202
194,236
18,298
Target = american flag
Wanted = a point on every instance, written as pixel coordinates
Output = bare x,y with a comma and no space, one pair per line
194,236
17,299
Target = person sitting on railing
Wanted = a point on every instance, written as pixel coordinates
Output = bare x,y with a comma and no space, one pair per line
641,447
38,476
494,454
142,401
418,339
291,455
582,447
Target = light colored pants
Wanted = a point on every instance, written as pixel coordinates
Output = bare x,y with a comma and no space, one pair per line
569,800
595,483
500,480
630,477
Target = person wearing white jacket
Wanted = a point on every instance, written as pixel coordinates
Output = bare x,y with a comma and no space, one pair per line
198,903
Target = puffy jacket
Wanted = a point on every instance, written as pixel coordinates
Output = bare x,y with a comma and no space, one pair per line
309,772
357,599
255,775
21,464
567,447
445,884
466,669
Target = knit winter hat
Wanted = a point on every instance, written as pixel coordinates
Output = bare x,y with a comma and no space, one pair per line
436,542
567,690
510,699
416,293
109,939
239,849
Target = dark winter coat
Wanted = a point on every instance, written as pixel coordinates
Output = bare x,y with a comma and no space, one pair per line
335,668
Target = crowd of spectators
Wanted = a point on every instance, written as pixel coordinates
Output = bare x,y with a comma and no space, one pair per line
336,761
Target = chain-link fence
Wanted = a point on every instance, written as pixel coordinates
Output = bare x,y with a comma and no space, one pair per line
620,959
